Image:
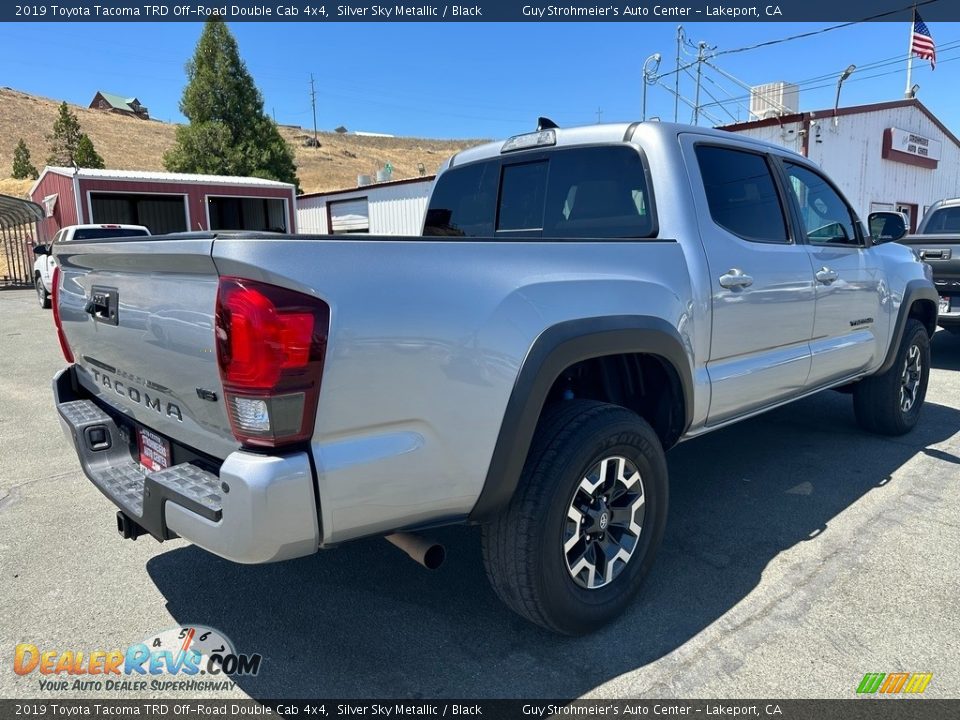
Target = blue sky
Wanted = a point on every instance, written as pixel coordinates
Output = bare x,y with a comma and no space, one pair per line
453,80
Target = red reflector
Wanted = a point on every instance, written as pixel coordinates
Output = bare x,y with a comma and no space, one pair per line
271,344
55,302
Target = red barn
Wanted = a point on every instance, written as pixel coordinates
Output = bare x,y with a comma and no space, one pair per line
164,202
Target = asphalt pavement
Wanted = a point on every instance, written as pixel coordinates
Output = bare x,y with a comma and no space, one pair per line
800,554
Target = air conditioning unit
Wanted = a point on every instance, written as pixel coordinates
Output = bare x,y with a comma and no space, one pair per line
774,100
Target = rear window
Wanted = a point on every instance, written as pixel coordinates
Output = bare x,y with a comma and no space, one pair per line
101,233
464,202
596,192
946,220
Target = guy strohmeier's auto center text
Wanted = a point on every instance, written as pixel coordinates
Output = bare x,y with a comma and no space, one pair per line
326,11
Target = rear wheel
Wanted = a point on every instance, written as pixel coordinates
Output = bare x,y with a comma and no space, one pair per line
890,403
572,548
42,295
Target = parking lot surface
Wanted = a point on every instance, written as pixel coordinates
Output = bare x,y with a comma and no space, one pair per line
800,554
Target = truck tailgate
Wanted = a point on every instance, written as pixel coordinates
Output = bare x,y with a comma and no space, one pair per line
139,318
942,252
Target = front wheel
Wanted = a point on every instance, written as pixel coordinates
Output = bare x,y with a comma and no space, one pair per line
572,548
890,403
42,295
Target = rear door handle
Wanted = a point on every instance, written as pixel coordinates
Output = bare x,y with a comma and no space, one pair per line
826,276
735,278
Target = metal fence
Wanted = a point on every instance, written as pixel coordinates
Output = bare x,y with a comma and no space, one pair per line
20,229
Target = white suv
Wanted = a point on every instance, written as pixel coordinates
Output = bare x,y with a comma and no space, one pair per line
43,264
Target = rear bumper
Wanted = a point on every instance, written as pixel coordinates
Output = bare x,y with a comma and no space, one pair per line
253,509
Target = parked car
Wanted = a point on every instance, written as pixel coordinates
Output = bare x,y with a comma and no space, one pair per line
583,300
43,263
937,242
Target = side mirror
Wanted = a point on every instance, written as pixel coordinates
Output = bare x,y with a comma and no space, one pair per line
887,226
41,249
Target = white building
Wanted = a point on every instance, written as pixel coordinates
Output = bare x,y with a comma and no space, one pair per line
884,156
388,208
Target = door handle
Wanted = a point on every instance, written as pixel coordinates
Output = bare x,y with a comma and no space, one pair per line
826,276
735,278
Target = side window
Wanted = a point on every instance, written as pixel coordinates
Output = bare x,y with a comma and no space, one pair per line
741,193
946,220
825,216
57,237
522,191
598,193
464,201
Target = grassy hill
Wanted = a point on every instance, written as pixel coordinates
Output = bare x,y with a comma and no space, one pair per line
131,144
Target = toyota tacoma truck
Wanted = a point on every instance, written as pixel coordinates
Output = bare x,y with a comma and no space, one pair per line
580,301
937,242
43,263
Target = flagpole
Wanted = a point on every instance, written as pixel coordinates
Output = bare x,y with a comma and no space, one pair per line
913,22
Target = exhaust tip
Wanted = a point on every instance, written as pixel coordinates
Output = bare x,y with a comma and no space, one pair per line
434,556
426,552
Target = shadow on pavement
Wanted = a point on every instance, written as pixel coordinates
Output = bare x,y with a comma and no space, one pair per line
945,351
364,621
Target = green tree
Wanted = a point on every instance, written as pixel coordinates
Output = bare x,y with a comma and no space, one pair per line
63,141
229,133
86,156
23,169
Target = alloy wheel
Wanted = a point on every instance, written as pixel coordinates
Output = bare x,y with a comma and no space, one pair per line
604,522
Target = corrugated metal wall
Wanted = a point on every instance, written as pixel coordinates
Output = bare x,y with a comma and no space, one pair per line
851,154
65,209
395,209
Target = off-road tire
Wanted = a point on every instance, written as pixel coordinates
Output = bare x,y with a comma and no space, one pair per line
877,399
523,548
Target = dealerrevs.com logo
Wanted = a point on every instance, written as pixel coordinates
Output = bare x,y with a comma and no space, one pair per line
183,658
894,683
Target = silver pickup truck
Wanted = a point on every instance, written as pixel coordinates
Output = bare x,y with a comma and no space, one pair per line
937,242
580,301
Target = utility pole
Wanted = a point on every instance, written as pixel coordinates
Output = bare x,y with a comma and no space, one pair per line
676,76
599,114
313,104
701,46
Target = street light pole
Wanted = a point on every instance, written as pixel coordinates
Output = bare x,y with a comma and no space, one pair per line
836,103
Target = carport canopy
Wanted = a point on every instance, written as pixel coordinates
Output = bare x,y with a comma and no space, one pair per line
15,212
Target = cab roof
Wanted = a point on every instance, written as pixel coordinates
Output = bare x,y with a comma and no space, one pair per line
612,133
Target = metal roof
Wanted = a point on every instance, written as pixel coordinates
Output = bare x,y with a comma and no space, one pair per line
165,177
117,101
849,110
14,212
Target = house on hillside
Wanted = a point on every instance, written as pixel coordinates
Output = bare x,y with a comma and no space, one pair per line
119,104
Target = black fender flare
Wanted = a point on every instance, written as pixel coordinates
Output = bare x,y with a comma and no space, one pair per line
915,290
557,348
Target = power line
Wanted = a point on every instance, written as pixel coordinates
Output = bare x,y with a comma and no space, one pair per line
812,83
800,36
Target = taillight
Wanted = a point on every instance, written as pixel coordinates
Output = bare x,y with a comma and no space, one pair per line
55,301
271,344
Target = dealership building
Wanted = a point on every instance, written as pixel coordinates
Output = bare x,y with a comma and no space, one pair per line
883,156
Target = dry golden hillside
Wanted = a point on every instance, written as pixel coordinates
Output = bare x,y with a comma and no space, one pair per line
131,144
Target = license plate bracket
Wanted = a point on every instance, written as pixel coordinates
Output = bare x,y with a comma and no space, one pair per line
154,450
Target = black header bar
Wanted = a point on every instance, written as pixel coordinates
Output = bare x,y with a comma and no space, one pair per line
670,11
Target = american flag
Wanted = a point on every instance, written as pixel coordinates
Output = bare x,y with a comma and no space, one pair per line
921,42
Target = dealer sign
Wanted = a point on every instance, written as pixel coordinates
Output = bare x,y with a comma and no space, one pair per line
911,148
